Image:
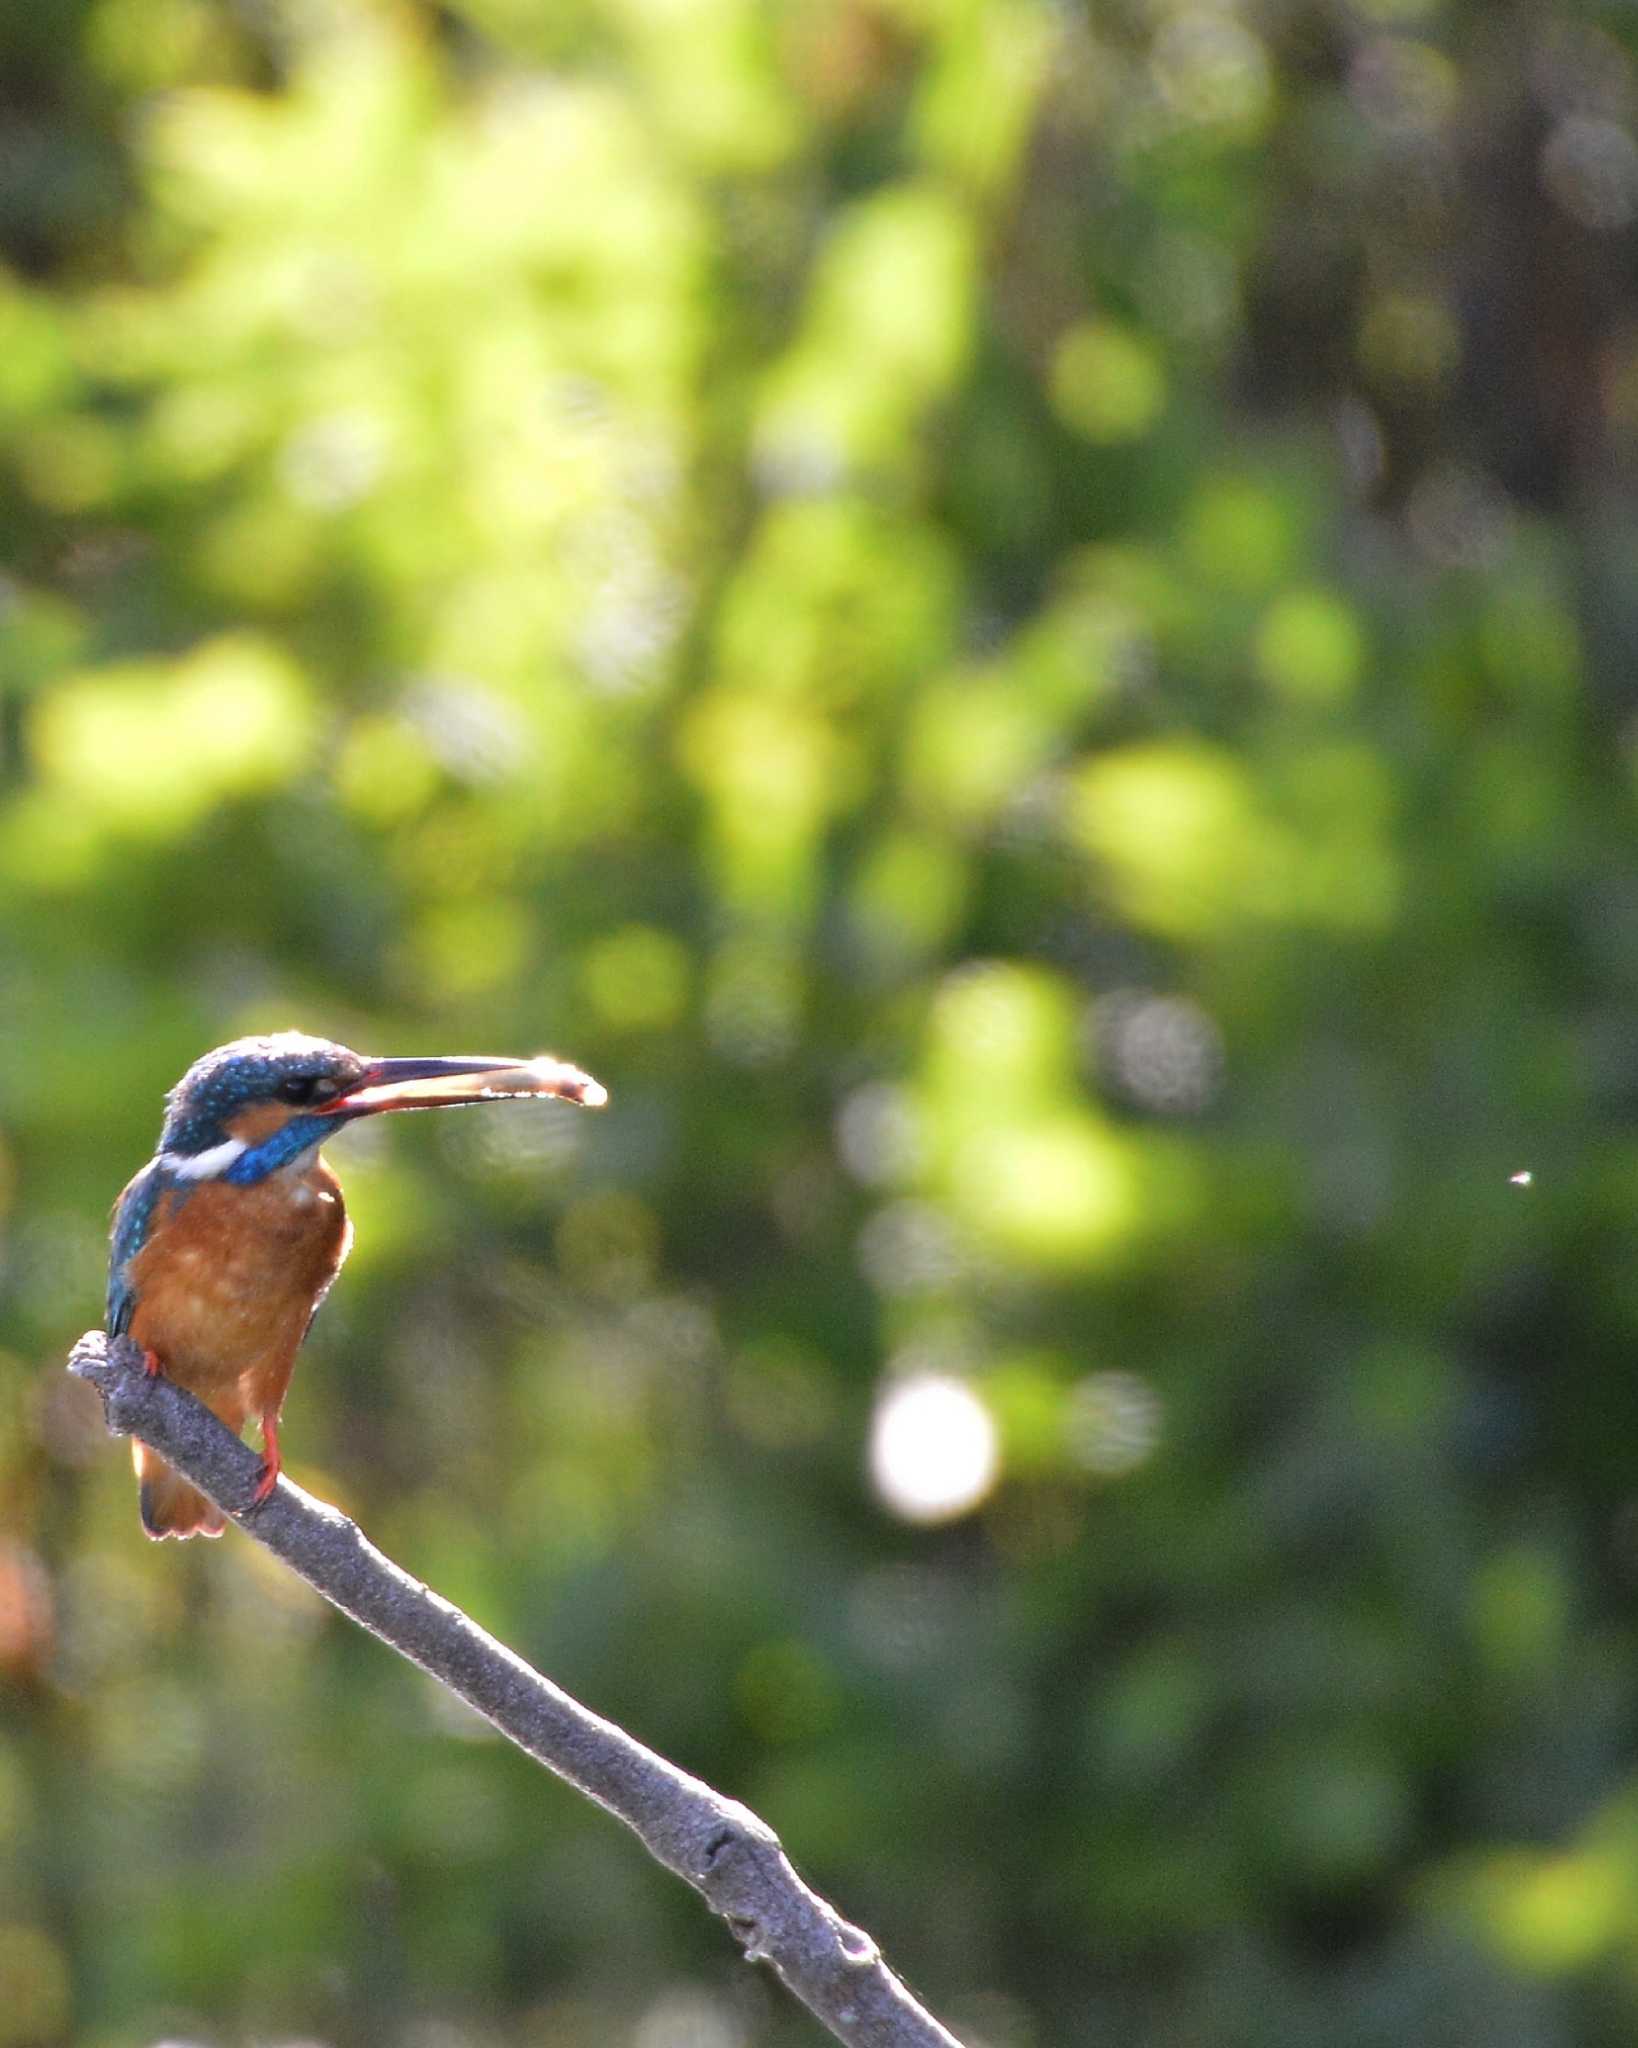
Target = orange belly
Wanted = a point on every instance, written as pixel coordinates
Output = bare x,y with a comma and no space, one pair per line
228,1280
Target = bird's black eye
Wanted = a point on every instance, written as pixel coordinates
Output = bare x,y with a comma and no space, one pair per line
298,1088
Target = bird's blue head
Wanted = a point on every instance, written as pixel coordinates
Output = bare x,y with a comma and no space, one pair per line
258,1104
248,1108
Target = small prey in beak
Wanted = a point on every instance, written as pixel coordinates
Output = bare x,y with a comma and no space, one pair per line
447,1083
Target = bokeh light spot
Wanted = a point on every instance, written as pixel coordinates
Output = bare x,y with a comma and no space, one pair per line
1174,825
154,744
1114,1423
878,1134
910,1248
1163,1052
934,1449
1238,534
1050,1192
1212,70
637,978
384,770
1551,1913
1107,383
1309,648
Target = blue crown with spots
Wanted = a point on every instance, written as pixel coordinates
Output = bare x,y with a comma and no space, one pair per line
287,1066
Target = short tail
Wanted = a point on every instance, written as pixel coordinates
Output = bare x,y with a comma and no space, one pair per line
169,1506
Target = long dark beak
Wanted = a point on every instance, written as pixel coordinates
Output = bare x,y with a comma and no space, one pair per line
446,1084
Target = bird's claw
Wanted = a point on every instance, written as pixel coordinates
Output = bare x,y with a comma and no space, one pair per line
273,1465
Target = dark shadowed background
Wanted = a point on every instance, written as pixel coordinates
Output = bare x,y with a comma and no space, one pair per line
1019,622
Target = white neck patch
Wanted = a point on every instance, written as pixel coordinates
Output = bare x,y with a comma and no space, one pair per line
203,1165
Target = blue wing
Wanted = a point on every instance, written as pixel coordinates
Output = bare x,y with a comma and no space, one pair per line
133,1214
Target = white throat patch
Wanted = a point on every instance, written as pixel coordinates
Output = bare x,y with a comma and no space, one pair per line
203,1165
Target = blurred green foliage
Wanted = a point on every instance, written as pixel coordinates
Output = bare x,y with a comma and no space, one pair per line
1017,622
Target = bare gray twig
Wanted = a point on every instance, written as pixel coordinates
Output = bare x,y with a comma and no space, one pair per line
730,1856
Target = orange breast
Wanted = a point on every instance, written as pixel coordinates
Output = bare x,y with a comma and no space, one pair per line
229,1277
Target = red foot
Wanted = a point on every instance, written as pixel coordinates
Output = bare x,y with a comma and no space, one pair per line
150,1360
274,1464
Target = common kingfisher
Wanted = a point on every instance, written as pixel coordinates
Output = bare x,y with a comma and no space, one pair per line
227,1241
